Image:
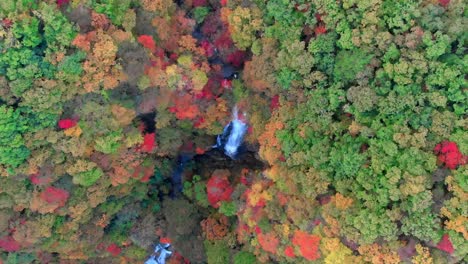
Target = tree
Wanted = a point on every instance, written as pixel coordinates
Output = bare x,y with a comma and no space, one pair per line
269,242
215,227
147,42
243,25
219,188
85,173
449,154
114,9
13,152
445,244
308,244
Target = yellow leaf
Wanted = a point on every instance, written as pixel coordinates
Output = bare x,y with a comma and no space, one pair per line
73,131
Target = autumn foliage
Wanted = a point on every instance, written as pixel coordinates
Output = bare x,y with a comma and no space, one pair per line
147,42
149,140
114,250
9,244
110,112
219,188
448,154
445,244
215,227
66,123
54,195
308,244
269,242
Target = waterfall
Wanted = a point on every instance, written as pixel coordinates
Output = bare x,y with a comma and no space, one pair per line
161,253
233,135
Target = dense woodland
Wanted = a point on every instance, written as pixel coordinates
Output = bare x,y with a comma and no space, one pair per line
357,114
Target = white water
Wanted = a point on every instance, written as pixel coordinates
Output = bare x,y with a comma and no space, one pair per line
233,135
160,254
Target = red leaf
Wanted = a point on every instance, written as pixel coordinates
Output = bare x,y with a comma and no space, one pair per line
208,47
308,244
66,123
274,104
445,244
147,173
449,154
9,244
165,240
320,29
227,84
261,203
289,252
237,58
114,249
173,56
199,151
223,41
444,3
54,195
7,23
318,17
269,242
218,189
61,3
36,180
244,180
148,142
147,42
184,107
224,2
198,122
199,3
257,230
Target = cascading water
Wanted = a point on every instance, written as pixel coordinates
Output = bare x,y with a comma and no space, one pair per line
233,134
161,253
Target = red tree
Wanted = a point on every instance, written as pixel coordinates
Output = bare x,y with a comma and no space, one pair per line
218,188
199,3
274,104
9,244
308,244
449,154
148,142
269,242
320,29
237,58
184,107
66,123
289,252
53,195
445,244
147,42
114,249
36,179
61,3
444,3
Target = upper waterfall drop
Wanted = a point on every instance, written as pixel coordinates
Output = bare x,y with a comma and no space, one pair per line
233,134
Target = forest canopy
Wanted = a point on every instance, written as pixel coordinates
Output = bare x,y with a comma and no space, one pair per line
355,151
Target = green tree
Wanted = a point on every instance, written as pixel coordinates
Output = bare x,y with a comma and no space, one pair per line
13,152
